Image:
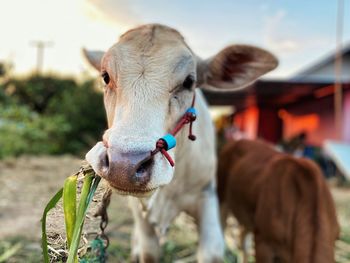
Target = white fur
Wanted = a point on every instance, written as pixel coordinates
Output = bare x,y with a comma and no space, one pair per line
146,67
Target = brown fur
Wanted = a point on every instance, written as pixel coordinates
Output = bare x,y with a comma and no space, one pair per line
285,201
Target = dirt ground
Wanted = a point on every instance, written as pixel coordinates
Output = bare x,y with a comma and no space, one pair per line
27,183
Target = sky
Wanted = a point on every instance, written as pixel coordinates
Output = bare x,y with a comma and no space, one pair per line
298,32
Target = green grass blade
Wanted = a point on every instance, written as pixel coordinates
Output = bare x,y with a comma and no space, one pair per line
85,199
10,252
93,190
51,204
69,205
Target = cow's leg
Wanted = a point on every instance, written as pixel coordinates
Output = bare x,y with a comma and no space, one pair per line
211,240
263,252
145,245
224,213
244,243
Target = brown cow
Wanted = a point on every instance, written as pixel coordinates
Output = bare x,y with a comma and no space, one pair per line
283,200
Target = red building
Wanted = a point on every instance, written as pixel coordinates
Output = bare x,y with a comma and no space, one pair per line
276,110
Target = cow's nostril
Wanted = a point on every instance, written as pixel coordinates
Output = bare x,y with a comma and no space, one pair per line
127,170
143,166
106,162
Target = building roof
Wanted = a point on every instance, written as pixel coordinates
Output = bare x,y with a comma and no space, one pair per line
273,93
324,64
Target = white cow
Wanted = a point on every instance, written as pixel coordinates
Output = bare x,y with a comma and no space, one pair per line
151,76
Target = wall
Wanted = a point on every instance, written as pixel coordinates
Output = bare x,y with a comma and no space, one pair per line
323,128
247,121
269,124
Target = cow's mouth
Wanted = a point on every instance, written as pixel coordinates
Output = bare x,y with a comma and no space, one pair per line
133,192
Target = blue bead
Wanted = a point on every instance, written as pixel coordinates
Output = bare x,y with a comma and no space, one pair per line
192,110
170,141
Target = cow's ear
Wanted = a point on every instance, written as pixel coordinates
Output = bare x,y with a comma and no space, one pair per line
234,68
94,58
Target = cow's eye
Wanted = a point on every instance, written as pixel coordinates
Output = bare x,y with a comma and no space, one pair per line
188,82
105,78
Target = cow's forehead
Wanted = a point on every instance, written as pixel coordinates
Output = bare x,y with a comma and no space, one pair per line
151,35
148,48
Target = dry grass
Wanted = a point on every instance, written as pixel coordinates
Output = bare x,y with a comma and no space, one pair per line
28,183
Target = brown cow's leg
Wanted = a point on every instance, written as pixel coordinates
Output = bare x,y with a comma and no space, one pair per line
224,213
243,242
263,252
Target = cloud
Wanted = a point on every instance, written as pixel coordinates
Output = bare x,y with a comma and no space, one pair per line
274,30
120,12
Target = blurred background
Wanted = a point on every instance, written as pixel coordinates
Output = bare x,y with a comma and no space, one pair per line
51,108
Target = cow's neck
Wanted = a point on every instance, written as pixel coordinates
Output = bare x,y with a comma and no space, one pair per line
189,178
186,159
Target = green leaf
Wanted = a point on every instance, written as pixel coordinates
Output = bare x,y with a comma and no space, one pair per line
87,193
69,205
10,252
51,204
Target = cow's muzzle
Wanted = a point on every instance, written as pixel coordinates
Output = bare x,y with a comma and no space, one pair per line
128,172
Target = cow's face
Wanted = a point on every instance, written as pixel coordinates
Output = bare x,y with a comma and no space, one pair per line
150,76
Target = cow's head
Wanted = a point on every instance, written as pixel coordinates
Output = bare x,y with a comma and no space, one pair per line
150,76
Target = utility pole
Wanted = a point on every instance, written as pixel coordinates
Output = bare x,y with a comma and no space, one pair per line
40,47
338,71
